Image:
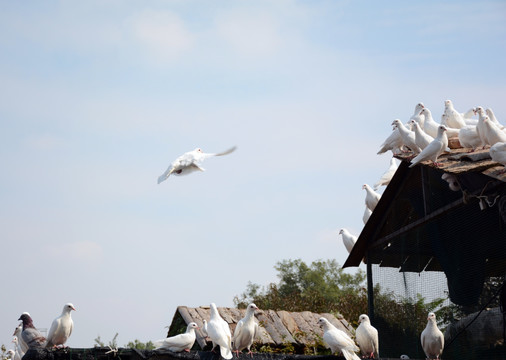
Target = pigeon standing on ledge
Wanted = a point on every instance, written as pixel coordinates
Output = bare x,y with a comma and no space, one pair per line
30,335
181,342
61,327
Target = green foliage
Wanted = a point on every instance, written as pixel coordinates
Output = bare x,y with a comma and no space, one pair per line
322,286
136,344
112,343
3,353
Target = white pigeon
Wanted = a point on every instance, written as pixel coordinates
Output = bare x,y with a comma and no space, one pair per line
178,343
432,338
434,149
338,341
420,119
422,139
245,331
450,131
204,328
61,327
371,197
454,119
189,162
367,215
393,143
366,337
498,154
349,239
21,343
407,136
18,354
219,333
387,175
493,133
453,182
430,125
480,126
492,117
469,138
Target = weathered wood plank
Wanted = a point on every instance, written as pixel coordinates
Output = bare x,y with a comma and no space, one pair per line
303,335
288,321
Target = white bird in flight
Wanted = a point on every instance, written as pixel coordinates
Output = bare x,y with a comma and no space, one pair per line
189,162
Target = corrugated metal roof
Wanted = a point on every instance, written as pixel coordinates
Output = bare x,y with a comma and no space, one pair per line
277,327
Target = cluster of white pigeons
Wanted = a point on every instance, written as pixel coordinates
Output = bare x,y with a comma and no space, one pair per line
26,336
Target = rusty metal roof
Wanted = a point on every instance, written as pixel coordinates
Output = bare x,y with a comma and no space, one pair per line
277,328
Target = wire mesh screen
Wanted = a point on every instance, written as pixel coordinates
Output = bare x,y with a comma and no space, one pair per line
442,251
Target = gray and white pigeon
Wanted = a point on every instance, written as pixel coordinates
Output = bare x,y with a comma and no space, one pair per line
387,175
498,154
30,335
21,343
454,119
245,331
434,149
189,162
366,337
349,239
178,343
407,136
219,333
371,197
432,338
338,341
61,327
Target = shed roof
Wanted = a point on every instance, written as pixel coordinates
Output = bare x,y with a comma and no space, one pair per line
277,327
421,224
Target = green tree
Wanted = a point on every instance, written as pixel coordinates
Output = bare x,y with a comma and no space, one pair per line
136,344
112,343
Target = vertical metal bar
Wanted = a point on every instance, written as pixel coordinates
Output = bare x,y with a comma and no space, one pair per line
370,292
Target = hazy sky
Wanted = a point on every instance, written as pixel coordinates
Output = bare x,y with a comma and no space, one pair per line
98,97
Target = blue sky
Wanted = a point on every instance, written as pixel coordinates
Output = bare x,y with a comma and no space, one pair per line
98,97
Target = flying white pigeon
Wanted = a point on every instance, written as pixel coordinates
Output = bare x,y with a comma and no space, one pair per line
245,331
219,333
338,341
349,239
387,175
178,343
469,138
31,336
366,337
454,119
493,133
371,197
434,149
189,162
420,119
407,136
498,154
61,328
21,343
432,338
430,125
393,142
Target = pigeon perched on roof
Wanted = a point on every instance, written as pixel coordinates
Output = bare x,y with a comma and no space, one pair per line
178,343
371,197
219,333
420,119
469,138
422,139
430,125
61,327
407,136
491,115
338,341
31,336
366,337
21,343
480,126
434,149
393,143
189,162
245,331
454,119
387,175
349,239
367,215
432,338
493,133
498,154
